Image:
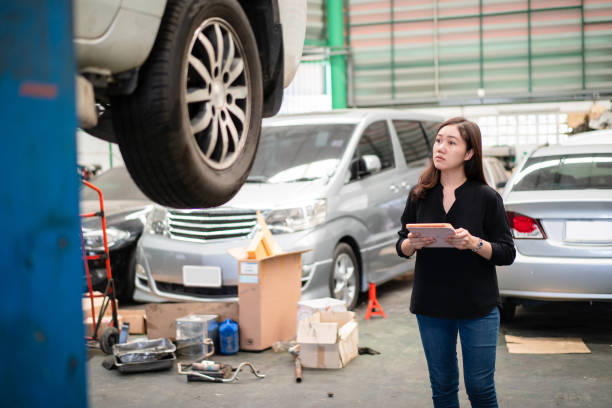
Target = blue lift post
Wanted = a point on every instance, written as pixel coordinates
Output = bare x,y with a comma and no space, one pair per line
42,349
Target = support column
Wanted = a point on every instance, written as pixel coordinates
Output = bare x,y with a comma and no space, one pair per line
41,318
335,34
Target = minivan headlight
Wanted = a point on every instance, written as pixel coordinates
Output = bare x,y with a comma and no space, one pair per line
157,221
298,218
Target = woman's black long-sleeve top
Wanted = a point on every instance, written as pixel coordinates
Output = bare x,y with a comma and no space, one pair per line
453,283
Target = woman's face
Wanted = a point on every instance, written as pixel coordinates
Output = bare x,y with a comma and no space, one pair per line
450,150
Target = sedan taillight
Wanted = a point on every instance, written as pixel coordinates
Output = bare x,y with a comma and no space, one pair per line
523,226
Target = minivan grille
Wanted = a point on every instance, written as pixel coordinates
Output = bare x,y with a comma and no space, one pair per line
209,225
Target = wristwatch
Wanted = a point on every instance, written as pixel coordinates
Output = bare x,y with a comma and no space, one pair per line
480,243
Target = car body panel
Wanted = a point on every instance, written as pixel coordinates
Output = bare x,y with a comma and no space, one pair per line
108,52
555,278
93,17
101,28
292,14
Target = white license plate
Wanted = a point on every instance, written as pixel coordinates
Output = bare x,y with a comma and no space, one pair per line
202,276
588,231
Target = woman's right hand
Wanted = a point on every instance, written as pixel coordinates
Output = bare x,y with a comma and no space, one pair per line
416,241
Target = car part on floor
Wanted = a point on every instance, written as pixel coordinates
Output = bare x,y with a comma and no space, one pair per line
295,352
144,355
207,374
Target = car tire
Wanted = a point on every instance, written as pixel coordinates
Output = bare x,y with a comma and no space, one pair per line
345,279
189,132
508,311
125,284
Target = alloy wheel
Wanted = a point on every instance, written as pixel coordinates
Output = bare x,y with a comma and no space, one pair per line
345,278
217,93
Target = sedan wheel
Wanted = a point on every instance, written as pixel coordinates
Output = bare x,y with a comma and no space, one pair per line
344,283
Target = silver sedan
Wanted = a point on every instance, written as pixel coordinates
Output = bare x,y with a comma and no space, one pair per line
559,207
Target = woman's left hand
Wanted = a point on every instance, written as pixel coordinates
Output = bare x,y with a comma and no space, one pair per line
462,239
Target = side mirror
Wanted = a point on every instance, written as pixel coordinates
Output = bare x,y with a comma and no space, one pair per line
371,164
364,166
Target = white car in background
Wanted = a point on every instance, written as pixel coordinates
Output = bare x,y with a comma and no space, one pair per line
559,207
182,86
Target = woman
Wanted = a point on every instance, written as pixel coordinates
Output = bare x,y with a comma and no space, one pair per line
455,289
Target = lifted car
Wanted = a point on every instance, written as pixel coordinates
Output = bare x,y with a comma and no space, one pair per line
182,86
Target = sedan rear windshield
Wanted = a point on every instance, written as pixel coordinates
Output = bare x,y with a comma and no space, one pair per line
299,152
566,172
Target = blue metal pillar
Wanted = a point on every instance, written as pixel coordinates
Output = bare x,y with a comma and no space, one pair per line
41,331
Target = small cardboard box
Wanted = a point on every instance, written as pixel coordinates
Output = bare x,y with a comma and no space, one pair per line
136,319
328,339
307,308
161,317
268,291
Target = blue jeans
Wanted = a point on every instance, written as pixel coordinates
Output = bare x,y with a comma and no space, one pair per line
478,345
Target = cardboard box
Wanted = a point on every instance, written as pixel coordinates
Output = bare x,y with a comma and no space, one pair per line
307,308
328,339
161,317
136,319
268,291
575,119
106,321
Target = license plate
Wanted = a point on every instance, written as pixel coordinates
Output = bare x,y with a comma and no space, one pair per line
588,231
202,276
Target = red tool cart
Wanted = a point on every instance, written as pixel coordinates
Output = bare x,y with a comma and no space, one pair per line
110,335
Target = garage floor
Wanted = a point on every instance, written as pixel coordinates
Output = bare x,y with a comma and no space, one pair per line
395,378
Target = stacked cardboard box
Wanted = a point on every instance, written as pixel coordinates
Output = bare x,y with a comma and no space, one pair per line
307,308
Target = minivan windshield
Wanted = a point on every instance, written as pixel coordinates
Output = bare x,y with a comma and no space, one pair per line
116,184
296,153
566,172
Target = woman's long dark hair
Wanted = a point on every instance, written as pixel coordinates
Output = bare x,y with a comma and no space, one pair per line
470,132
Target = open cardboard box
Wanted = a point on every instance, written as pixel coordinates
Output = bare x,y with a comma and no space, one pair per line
328,339
269,287
307,308
268,291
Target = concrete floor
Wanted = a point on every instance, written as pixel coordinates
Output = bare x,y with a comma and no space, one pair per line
395,378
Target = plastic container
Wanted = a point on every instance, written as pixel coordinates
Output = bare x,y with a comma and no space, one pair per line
124,333
228,336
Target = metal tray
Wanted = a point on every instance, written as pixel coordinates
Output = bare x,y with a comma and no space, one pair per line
143,351
164,363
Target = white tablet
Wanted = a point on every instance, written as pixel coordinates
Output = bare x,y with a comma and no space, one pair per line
439,231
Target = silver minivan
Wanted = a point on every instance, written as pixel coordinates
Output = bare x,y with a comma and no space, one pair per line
335,183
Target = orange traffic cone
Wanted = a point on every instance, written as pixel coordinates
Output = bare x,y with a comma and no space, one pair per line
374,308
